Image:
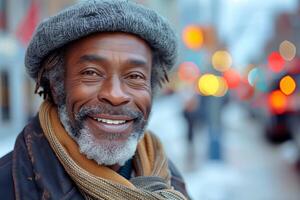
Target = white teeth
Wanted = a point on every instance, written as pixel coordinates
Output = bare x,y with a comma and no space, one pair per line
108,121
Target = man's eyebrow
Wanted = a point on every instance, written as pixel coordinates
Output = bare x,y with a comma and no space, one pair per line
136,62
92,58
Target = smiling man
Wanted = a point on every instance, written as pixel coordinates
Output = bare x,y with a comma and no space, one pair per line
108,79
97,65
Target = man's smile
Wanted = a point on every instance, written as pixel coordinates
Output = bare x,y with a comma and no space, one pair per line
108,121
111,124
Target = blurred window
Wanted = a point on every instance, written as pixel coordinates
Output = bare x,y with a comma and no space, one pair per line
3,23
4,96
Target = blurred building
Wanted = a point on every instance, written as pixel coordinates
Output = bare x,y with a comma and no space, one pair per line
18,19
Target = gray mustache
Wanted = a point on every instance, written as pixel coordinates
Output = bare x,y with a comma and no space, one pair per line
86,111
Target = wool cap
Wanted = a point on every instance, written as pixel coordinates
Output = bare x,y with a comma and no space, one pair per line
92,16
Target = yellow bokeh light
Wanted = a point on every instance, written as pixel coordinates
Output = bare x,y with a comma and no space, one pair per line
221,60
223,87
287,50
193,37
208,84
287,85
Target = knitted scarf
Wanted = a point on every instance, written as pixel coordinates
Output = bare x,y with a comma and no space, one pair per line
95,181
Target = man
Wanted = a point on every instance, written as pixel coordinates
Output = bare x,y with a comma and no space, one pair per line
97,65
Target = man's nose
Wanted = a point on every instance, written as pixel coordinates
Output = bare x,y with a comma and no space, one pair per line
113,93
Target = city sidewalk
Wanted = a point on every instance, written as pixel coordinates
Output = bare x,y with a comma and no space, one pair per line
251,170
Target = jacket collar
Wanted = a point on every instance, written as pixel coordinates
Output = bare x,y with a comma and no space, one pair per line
37,173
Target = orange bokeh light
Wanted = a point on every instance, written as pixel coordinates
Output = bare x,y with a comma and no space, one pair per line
278,102
192,37
287,85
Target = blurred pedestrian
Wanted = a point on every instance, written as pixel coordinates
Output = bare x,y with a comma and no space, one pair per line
191,115
191,110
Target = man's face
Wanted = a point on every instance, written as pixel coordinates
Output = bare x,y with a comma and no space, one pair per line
108,95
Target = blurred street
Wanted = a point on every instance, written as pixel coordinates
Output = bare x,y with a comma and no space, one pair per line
229,118
251,169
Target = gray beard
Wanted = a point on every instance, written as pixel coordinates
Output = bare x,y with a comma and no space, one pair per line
104,152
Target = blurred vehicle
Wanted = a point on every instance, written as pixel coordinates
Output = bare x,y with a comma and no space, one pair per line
283,102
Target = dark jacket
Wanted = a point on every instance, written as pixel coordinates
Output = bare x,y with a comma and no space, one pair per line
32,171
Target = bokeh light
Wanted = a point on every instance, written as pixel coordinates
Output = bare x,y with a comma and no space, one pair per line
188,72
222,89
221,60
212,85
276,62
8,47
192,37
208,84
232,78
287,50
253,76
287,85
257,79
244,91
262,84
278,102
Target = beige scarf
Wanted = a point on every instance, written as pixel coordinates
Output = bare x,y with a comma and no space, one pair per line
100,182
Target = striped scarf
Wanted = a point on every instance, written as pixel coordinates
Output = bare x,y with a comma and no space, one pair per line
152,181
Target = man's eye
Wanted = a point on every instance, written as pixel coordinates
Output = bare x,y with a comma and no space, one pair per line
90,73
135,76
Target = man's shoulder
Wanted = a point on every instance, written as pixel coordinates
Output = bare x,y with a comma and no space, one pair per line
6,179
5,164
176,179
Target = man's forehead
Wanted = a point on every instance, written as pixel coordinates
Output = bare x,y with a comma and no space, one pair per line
108,43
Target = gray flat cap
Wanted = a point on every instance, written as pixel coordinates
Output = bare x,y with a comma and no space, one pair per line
93,16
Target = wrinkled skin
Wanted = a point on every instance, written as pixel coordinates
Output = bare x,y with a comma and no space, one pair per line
108,77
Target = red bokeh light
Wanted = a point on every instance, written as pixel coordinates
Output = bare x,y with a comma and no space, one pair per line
276,62
244,91
232,78
188,72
